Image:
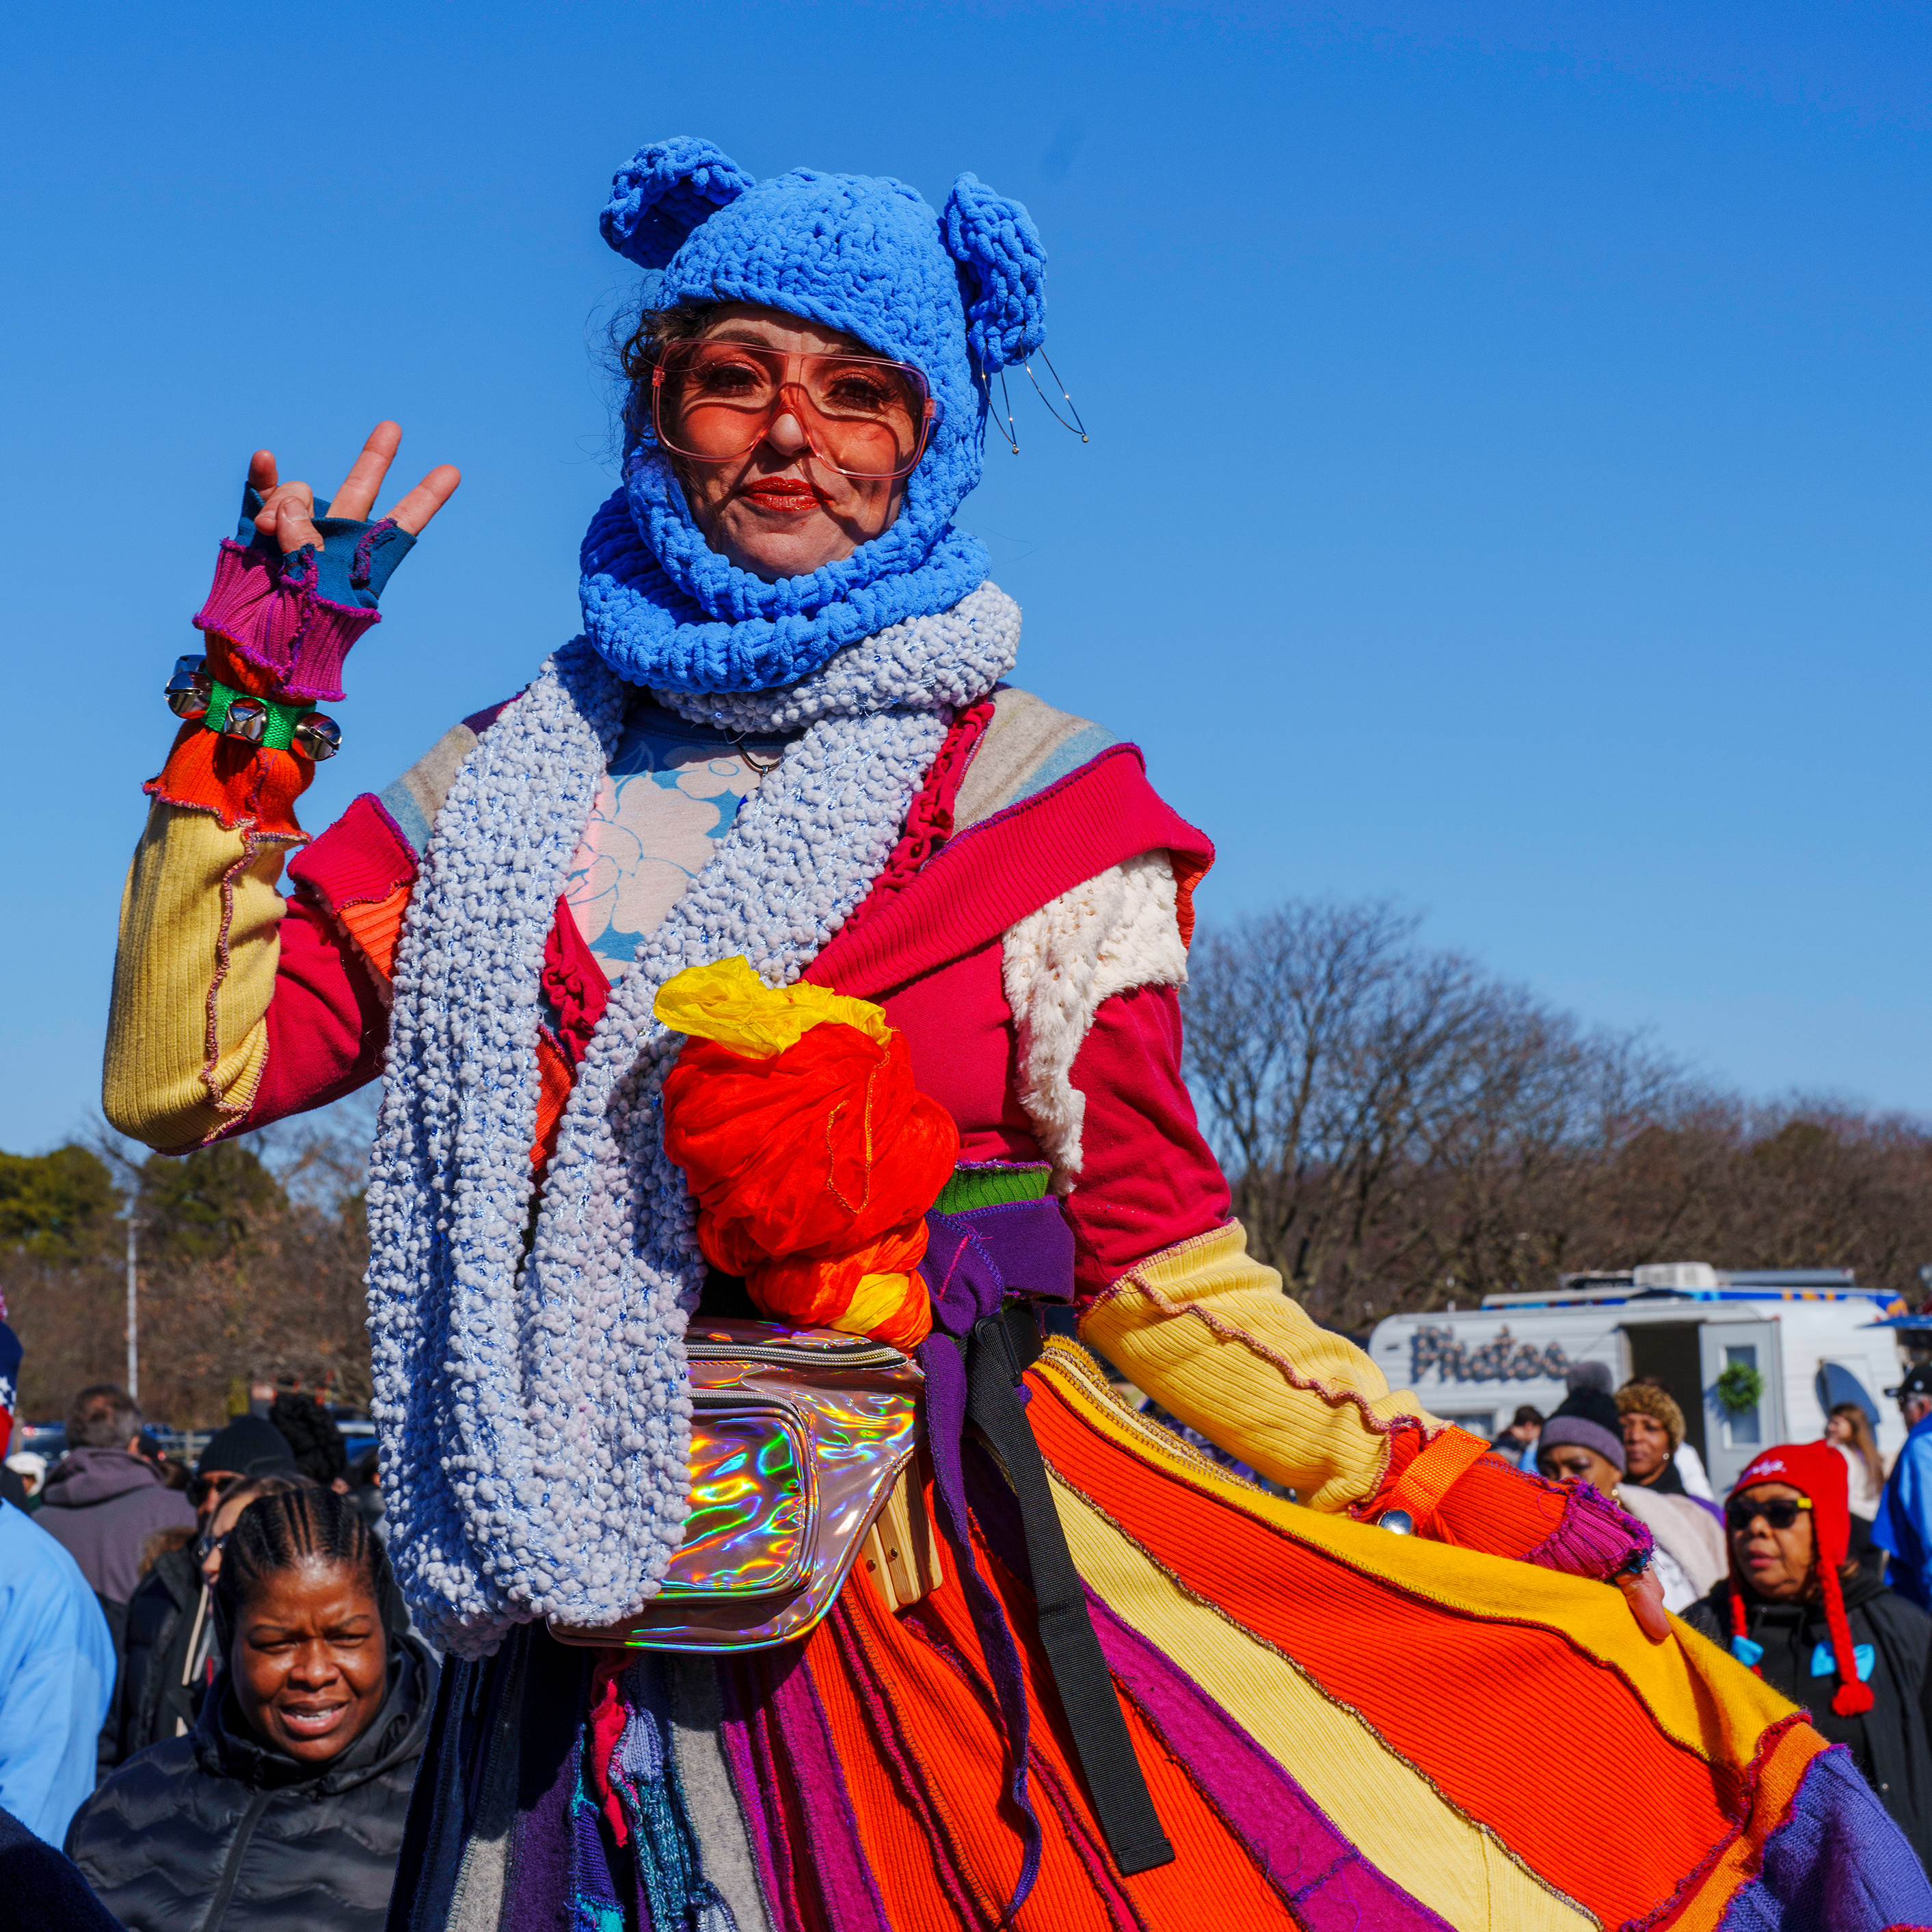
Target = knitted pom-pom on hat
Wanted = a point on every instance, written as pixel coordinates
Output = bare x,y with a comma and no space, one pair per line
662,193
995,243
1817,1470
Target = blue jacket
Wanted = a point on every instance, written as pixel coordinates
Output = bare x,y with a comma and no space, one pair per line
1903,1524
56,1678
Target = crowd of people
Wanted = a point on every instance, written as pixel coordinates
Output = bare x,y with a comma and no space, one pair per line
1813,1572
210,1695
211,1698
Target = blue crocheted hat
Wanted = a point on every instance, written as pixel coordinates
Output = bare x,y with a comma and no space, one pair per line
957,293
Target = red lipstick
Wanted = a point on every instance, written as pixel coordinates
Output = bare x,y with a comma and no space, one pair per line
785,494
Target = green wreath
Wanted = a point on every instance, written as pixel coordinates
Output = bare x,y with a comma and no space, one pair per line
1740,1388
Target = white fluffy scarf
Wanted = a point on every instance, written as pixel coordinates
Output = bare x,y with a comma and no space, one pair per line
530,1390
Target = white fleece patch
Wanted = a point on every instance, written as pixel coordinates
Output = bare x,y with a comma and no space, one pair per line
1111,933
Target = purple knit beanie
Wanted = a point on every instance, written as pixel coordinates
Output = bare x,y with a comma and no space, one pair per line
1588,1416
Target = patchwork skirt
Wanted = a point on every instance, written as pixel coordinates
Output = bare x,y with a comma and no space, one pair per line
1339,1728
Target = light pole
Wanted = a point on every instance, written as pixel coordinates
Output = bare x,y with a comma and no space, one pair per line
134,1311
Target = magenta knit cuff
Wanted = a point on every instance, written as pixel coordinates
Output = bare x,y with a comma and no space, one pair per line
270,612
1595,1539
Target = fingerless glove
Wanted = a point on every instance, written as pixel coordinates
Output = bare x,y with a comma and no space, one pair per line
278,627
293,620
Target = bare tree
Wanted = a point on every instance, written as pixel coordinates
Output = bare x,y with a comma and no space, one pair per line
1377,1104
252,1256
1314,1041
1399,1127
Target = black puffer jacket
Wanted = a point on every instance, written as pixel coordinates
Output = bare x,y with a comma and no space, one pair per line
152,1701
213,1832
1890,1742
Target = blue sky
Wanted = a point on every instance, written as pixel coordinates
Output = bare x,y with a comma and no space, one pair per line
1507,488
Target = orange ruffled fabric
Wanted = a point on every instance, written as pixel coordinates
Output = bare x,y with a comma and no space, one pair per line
245,786
813,1165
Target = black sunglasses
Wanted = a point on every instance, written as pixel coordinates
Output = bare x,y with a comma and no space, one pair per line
1781,1512
205,1490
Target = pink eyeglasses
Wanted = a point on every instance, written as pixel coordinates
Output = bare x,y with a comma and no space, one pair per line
714,401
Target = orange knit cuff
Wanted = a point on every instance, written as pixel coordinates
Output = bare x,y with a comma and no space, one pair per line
1420,1472
1457,1492
246,786
1501,1509
1428,1475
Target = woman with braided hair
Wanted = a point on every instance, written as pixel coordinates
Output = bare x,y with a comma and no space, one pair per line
778,1010
284,1807
172,1655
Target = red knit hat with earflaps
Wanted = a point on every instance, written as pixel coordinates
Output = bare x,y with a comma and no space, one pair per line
1816,1470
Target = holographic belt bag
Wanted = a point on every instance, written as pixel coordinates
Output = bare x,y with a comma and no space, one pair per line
804,1444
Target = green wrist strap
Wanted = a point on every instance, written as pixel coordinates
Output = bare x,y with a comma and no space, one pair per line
278,732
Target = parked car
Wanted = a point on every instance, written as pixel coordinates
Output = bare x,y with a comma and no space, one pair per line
40,1438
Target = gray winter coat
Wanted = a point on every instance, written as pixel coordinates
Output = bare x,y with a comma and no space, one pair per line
101,1506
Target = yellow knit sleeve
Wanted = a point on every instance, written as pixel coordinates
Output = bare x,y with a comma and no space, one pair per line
1208,1333
187,1028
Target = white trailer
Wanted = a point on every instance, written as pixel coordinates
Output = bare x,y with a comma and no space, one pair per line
1814,1337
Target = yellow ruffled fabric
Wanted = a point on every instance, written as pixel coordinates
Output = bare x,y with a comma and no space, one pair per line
728,1002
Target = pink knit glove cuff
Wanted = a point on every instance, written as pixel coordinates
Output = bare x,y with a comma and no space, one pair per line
271,614
1595,1539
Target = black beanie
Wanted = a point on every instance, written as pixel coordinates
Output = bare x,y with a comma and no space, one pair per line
249,1445
1587,1416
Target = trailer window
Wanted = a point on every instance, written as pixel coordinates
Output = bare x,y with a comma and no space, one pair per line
1744,1423
1477,1422
1836,1384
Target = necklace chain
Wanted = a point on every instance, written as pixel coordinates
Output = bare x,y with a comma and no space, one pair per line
763,767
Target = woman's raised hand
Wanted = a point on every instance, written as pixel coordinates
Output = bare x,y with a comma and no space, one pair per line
288,509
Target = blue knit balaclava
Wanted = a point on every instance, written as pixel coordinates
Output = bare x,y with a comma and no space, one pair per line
957,294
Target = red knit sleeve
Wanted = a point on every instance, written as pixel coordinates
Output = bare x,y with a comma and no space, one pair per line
327,1024
328,1018
1456,1492
1147,1180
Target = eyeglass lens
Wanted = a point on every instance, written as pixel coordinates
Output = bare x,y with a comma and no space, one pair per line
1781,1514
865,417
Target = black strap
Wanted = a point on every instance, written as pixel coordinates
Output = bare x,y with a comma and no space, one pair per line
1002,1349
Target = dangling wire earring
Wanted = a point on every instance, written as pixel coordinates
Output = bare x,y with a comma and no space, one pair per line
1003,421
1076,426
993,417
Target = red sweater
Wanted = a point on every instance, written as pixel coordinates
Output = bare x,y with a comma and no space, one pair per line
927,945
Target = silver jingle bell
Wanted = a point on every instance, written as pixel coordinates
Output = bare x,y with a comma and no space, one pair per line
319,735
247,720
188,690
1397,1523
